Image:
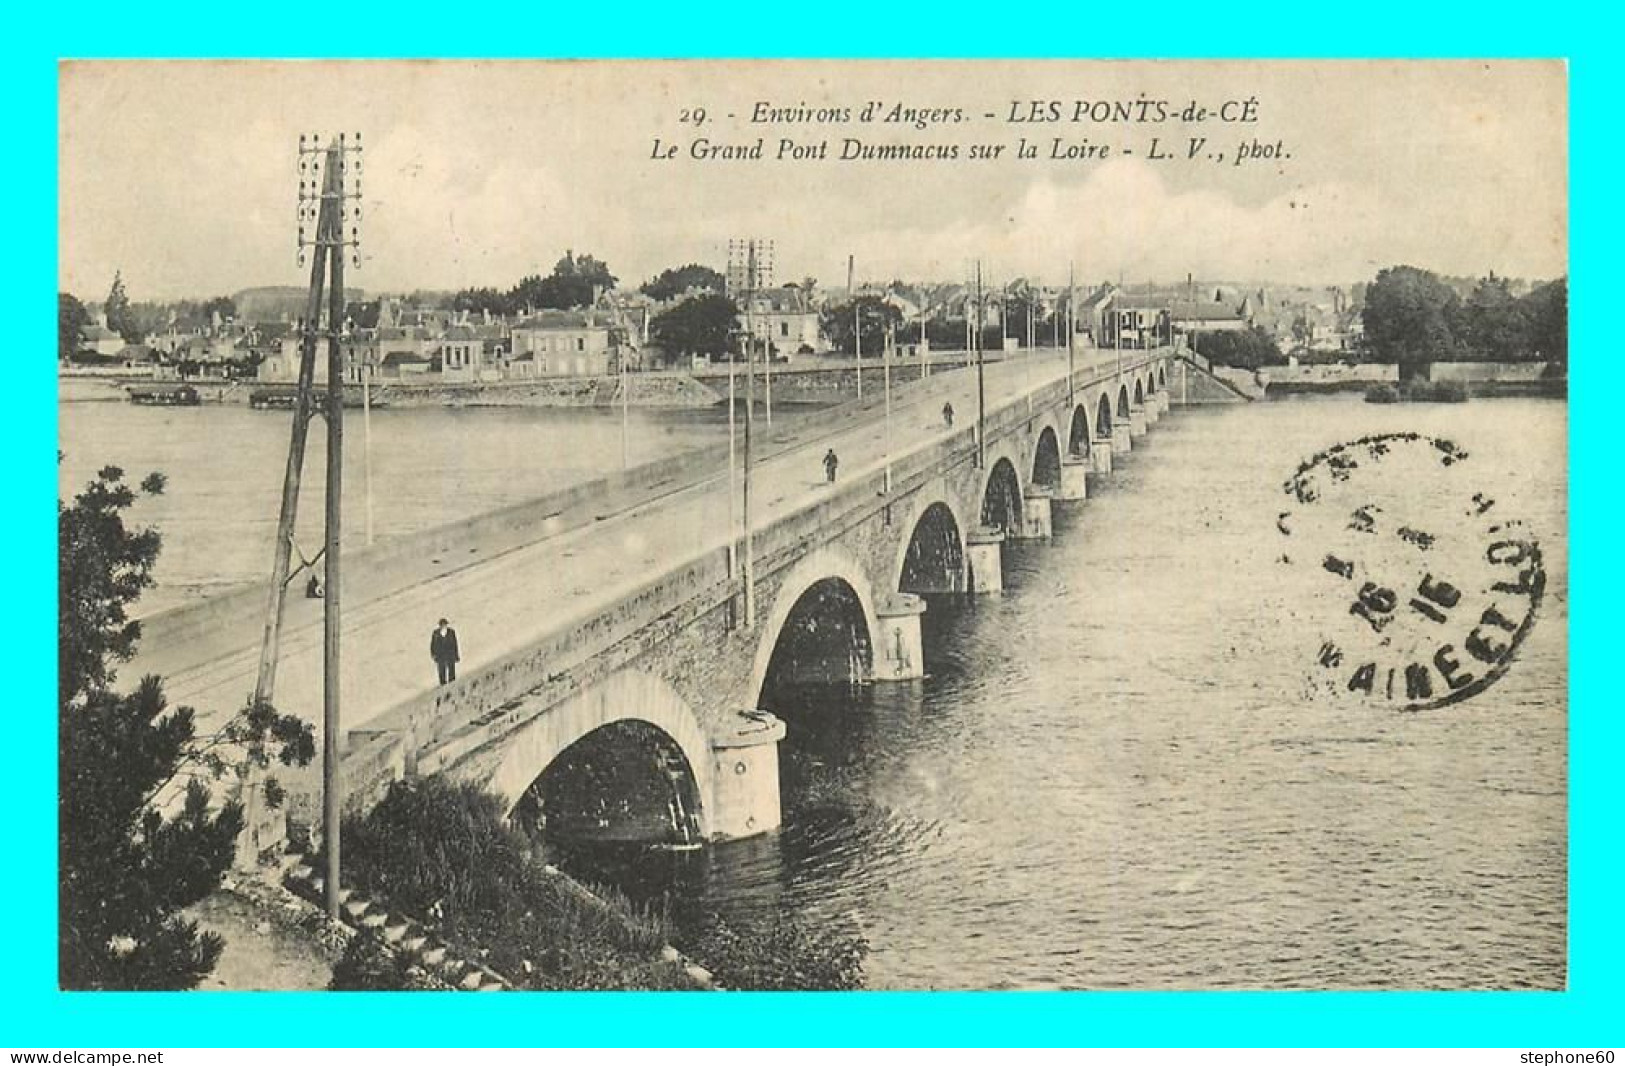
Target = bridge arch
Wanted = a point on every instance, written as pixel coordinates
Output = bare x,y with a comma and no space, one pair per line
1001,496
932,559
1139,392
827,586
1122,402
628,696
1103,416
1047,460
1162,376
1078,435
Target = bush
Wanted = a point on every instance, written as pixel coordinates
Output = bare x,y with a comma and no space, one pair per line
781,952
1418,391
1248,349
444,854
1439,392
368,966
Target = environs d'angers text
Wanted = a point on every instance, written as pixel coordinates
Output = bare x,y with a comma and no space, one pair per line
1141,111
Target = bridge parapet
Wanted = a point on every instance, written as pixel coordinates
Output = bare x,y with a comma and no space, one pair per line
462,723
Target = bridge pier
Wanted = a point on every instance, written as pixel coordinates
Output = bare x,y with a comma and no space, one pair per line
1074,478
984,561
1035,514
901,652
1121,442
1101,454
1137,421
1163,401
1152,410
745,777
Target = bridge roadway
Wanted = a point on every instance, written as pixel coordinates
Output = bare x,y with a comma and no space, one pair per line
570,569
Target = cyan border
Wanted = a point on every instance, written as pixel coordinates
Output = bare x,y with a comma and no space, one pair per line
35,1014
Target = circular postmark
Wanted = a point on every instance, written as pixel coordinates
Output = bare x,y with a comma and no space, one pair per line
1428,588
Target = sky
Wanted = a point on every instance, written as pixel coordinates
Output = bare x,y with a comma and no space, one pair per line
181,175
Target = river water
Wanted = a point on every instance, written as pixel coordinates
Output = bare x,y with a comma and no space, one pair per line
430,466
1115,774
1118,776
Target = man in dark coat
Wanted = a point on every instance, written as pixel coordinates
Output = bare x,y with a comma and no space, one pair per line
443,649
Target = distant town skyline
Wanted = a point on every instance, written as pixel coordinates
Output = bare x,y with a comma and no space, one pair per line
181,175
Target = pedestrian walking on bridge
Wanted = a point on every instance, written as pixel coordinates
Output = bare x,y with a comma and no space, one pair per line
948,415
443,649
831,461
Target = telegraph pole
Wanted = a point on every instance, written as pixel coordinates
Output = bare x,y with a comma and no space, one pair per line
981,385
885,355
332,785
329,197
750,418
857,324
1071,335
626,400
733,504
366,438
925,348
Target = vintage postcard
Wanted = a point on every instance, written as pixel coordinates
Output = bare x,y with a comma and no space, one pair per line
901,525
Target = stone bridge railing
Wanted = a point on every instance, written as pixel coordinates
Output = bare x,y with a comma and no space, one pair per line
436,729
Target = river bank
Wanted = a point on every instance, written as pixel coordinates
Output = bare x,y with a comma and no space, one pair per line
1525,379
811,381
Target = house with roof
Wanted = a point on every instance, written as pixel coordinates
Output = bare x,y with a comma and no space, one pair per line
563,344
97,338
1136,321
784,318
1207,316
461,352
405,366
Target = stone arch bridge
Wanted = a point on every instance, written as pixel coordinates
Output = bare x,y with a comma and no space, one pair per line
837,593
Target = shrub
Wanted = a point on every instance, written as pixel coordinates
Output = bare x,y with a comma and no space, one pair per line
367,966
1418,391
444,854
781,952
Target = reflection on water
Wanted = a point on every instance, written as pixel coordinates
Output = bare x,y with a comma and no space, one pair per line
1115,775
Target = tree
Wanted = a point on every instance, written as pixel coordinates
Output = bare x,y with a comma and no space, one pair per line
1020,300
120,318
1494,325
224,306
700,325
139,835
71,320
587,268
1546,310
1410,318
556,291
1248,349
479,301
1303,331
873,316
675,281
